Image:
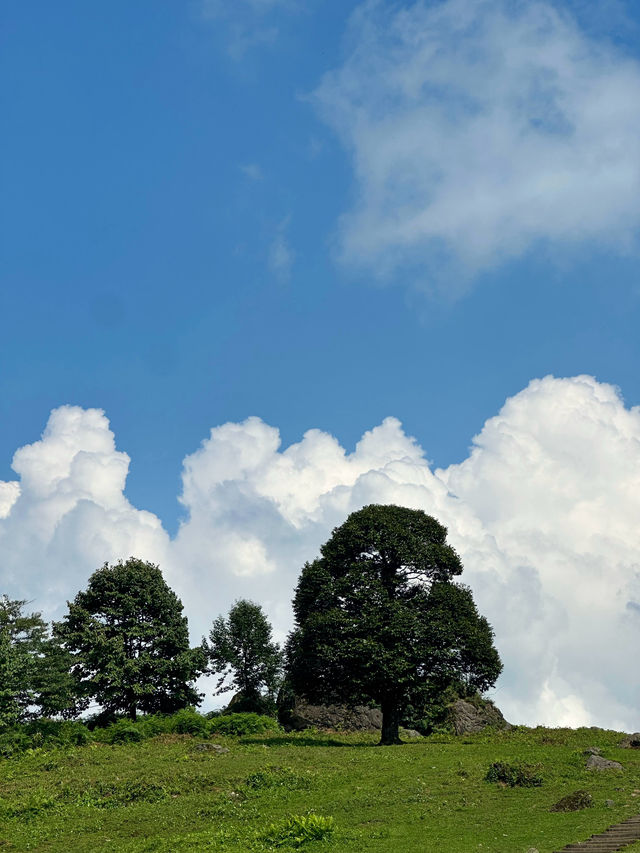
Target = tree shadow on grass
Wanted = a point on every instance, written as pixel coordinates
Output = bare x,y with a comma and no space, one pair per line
315,740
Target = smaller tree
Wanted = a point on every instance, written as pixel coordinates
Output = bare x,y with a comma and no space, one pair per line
22,637
129,641
57,689
241,649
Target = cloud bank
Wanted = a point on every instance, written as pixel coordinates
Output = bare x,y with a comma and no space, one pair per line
543,512
479,130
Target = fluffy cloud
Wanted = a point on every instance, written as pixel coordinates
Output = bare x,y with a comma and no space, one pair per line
543,512
68,514
480,129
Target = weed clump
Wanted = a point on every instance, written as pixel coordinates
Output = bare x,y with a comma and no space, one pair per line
573,802
297,830
514,775
276,777
242,724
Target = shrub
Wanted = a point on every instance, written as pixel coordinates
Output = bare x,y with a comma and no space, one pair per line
573,802
189,722
124,731
514,775
296,830
45,731
13,742
242,724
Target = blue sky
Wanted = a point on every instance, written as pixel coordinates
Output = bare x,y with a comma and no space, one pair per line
137,245
319,214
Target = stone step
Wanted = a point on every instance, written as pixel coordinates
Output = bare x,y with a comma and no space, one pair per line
614,838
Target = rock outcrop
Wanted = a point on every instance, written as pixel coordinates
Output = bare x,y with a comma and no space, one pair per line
303,715
597,762
466,717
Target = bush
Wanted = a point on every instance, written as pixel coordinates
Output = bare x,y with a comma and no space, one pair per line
573,802
242,724
45,731
13,742
514,775
296,830
189,722
124,731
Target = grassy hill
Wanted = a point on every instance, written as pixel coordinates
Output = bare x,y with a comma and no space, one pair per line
178,792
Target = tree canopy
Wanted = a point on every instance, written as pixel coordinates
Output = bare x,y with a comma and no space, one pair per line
240,648
380,618
129,641
21,638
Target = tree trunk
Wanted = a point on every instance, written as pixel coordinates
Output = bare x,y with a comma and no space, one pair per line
390,723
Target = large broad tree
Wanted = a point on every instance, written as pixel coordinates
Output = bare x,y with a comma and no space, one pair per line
380,618
130,642
243,655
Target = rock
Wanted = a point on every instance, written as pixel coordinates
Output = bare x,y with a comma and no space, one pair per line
211,747
609,804
410,733
597,762
592,750
573,802
303,715
466,718
631,741
532,850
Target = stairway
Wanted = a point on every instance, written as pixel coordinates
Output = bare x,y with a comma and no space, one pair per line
617,837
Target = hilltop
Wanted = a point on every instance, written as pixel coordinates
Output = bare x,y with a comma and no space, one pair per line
211,790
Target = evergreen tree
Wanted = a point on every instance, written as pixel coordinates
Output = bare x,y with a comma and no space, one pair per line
22,637
379,618
240,648
130,643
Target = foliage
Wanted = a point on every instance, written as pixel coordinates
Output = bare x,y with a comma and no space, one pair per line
55,682
379,618
130,642
514,775
240,648
297,830
242,724
21,639
573,802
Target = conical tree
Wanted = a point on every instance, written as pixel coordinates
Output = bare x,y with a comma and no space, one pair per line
130,642
244,657
379,618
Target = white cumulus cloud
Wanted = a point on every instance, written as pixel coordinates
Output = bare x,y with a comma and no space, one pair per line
479,130
543,512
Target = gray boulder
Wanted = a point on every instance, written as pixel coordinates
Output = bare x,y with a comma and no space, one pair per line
341,717
410,733
597,762
216,748
630,741
467,718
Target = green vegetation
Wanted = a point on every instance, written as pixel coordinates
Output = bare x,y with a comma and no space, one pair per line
379,619
129,642
240,649
165,791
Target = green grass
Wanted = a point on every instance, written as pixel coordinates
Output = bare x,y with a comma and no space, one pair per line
277,791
